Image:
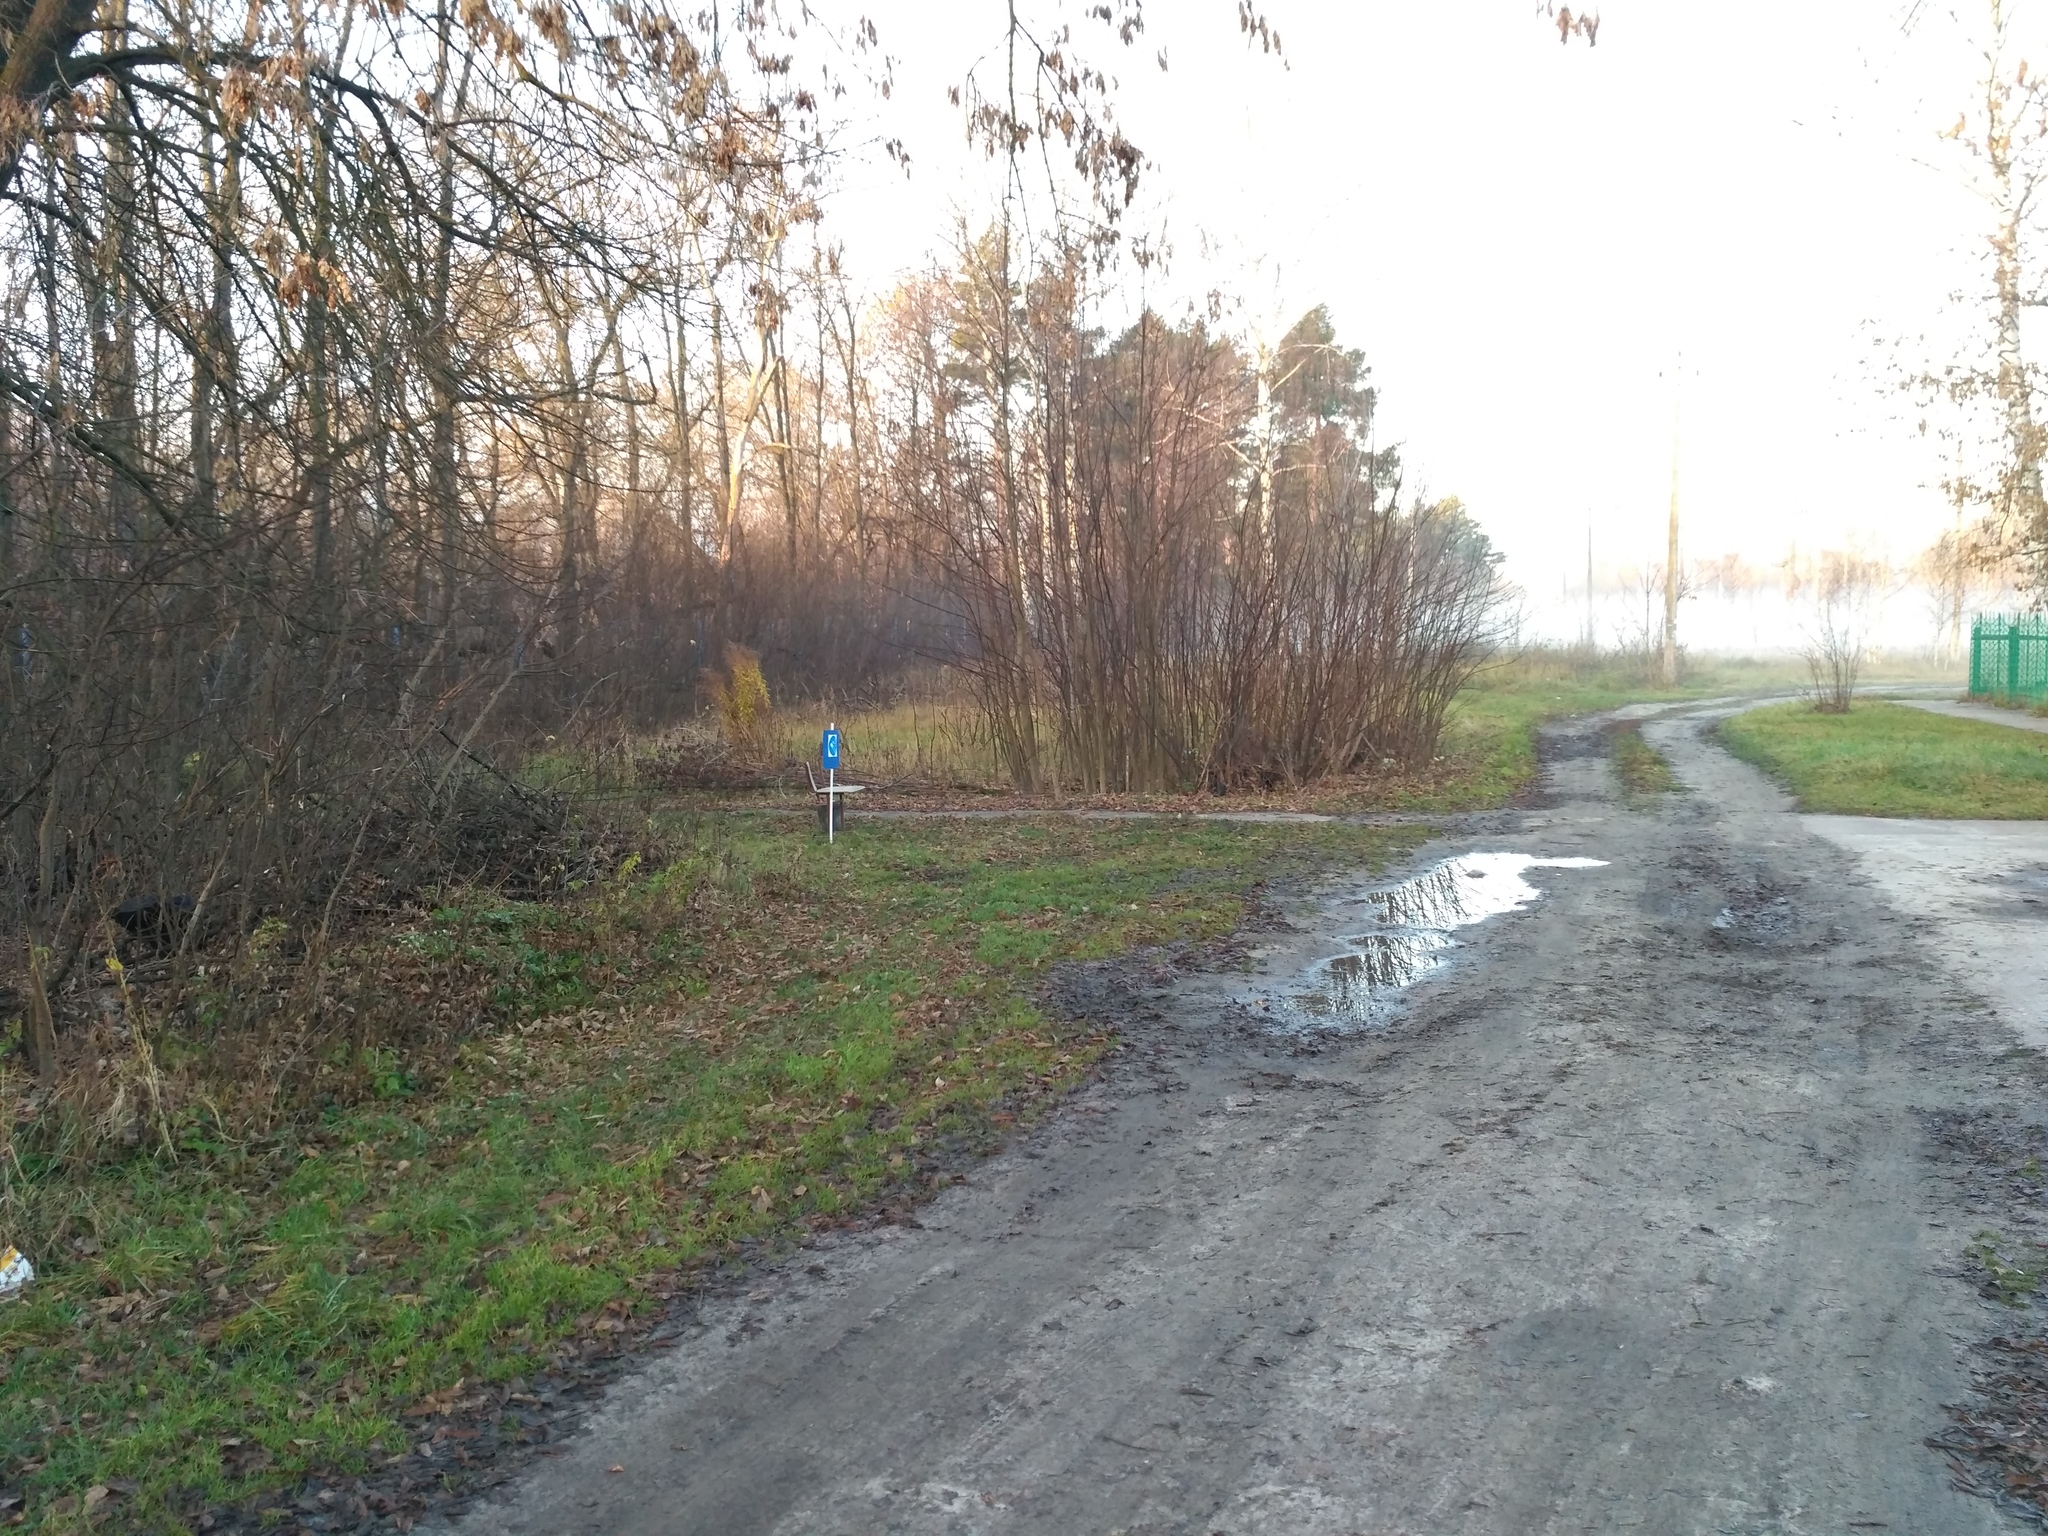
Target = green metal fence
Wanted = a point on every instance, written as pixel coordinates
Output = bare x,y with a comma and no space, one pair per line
2009,656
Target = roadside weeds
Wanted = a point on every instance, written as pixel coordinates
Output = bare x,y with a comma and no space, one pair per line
1641,769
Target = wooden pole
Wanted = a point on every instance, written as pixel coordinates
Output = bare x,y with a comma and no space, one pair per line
1590,643
1671,556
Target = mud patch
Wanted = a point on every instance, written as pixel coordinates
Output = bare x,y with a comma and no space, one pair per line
2022,893
1754,919
1757,910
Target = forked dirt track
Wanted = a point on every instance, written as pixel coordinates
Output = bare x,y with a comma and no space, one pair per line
1636,1218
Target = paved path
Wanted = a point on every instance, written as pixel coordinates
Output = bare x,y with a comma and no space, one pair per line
1634,1220
1978,890
1356,818
1975,891
1990,714
1085,813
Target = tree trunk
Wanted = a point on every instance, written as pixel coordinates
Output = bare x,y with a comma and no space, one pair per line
686,512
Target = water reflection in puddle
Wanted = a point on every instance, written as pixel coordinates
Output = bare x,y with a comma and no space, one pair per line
1412,934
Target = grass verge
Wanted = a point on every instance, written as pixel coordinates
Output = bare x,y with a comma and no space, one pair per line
1889,760
1489,744
1640,767
678,1067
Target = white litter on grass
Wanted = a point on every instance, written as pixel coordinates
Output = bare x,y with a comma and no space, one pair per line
15,1273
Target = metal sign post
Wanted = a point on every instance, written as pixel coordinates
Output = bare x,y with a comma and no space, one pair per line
828,759
832,792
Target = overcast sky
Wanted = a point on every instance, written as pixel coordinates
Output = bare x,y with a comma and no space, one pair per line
1524,236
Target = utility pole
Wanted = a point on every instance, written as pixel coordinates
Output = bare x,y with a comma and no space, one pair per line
1671,557
1591,643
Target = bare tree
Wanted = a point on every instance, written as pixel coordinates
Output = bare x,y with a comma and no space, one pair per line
1843,593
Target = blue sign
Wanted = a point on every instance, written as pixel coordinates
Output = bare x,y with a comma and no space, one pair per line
828,749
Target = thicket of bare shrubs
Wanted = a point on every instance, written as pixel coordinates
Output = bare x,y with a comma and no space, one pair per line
1180,566
386,392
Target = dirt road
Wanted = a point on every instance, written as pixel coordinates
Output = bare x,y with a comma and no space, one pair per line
1635,1218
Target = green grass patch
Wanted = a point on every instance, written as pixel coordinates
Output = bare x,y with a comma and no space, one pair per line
678,1065
1885,759
1639,767
2013,1271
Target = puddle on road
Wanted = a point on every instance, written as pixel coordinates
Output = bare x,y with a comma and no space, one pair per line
1413,932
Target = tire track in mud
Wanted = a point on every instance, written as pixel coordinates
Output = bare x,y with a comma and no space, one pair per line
1636,1216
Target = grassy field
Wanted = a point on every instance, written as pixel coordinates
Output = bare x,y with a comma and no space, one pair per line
1888,760
675,1067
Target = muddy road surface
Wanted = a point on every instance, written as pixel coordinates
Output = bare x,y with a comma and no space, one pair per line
1633,1215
